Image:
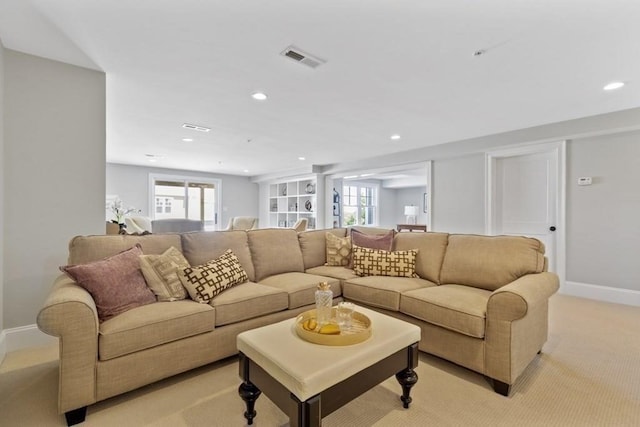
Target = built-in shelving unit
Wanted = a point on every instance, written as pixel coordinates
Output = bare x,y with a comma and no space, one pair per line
292,200
337,209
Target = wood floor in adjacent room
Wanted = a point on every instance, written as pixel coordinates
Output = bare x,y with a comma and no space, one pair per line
587,375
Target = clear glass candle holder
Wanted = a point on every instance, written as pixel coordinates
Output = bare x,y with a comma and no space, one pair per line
344,315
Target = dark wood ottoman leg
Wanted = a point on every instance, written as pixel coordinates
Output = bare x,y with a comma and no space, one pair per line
408,377
247,390
249,393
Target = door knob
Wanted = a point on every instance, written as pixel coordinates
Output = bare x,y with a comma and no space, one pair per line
552,228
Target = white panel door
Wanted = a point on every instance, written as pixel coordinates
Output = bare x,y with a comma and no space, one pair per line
525,198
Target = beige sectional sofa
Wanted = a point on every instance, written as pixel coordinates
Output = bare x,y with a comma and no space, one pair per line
480,301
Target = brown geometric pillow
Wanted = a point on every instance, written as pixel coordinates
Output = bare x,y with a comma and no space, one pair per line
338,250
160,273
374,262
115,283
383,242
206,281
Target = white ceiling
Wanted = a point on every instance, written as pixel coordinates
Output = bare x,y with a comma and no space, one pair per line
393,66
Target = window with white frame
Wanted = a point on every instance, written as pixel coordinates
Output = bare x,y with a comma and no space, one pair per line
186,197
360,203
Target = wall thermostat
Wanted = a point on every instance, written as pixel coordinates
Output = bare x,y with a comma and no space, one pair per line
584,180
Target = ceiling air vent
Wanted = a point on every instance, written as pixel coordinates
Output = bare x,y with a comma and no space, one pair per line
302,57
196,127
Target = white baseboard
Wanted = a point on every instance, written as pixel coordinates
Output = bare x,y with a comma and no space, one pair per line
602,293
23,337
3,346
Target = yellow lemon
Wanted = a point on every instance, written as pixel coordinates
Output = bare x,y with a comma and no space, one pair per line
330,329
310,324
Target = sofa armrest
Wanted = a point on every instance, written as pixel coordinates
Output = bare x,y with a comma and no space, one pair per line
511,302
69,313
517,325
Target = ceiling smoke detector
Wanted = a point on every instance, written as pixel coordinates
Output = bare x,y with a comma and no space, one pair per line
196,127
302,57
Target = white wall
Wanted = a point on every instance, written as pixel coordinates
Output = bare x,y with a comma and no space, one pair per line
131,184
54,166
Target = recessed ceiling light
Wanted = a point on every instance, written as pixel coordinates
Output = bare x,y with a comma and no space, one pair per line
364,175
246,171
613,86
187,139
395,137
301,158
259,96
350,177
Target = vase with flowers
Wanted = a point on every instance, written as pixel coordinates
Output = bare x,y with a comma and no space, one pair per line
119,211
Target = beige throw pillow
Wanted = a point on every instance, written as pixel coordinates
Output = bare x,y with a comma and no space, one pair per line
338,250
375,262
160,272
206,281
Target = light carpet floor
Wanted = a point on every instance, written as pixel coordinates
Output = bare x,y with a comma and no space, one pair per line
587,375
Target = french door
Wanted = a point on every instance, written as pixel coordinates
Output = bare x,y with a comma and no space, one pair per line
184,197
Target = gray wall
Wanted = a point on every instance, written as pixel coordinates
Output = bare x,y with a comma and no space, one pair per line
1,198
54,161
406,197
388,215
603,219
458,195
131,184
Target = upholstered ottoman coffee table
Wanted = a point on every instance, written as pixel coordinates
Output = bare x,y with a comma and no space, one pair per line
309,381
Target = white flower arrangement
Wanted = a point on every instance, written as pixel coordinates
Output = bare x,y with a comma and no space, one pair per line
118,209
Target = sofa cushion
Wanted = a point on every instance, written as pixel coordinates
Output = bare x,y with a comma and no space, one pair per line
338,250
206,281
381,291
431,249
457,308
115,283
373,262
160,273
152,325
314,247
341,273
202,246
83,249
246,301
490,262
301,287
275,251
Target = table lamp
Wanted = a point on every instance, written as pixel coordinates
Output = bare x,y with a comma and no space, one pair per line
411,212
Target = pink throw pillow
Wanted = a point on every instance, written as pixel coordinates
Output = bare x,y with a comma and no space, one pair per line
116,283
382,242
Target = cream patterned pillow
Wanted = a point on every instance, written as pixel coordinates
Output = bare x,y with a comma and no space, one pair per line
338,250
376,262
206,281
160,272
